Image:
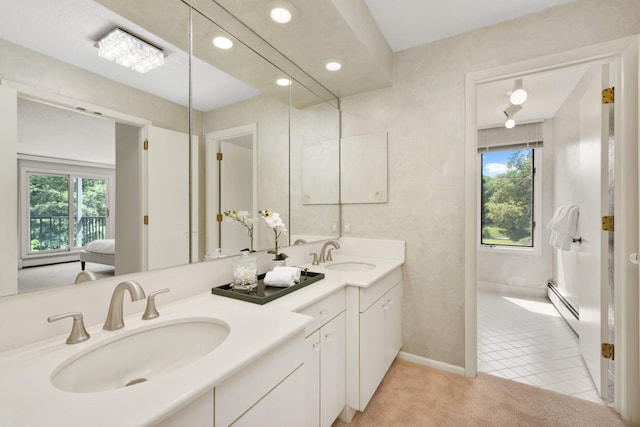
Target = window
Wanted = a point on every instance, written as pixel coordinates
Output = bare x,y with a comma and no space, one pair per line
65,211
507,198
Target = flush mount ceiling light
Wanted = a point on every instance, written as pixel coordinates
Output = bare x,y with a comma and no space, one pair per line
222,42
129,51
510,112
283,81
518,95
333,65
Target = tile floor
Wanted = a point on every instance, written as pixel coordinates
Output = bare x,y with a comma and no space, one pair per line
525,339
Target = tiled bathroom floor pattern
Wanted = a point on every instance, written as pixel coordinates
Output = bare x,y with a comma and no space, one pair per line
526,340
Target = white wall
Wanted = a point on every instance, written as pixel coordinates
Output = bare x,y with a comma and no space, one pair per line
47,131
424,114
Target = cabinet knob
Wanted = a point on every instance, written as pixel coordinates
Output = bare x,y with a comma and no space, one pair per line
316,347
328,336
322,312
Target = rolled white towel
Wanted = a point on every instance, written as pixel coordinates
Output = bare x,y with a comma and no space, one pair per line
282,277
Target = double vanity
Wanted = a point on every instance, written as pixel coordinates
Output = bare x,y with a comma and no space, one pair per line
303,359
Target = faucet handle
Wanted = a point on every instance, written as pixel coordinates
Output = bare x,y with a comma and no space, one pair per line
315,258
78,332
151,312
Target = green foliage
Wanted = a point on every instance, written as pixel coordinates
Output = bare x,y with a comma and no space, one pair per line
49,207
508,198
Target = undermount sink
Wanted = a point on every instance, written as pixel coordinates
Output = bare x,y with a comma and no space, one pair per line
350,266
140,356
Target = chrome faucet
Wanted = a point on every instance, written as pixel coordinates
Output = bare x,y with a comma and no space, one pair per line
326,255
114,316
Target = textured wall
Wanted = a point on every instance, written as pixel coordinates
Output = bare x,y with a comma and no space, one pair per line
424,114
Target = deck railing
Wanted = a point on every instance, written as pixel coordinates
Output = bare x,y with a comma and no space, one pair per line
52,232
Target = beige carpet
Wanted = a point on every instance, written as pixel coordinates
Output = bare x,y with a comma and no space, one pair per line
415,395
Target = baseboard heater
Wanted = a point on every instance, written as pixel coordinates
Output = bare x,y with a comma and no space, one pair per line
564,307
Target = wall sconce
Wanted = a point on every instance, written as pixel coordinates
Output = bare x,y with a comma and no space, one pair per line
510,122
129,51
518,95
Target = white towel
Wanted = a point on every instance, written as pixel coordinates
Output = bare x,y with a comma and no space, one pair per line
282,277
563,226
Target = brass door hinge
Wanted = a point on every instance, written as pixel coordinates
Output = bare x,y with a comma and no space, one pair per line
107,212
145,220
146,144
608,351
219,156
607,223
219,217
608,95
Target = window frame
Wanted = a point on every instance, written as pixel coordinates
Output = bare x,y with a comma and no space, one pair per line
536,249
29,165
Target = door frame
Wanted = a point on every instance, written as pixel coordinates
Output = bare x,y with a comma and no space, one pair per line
212,147
624,52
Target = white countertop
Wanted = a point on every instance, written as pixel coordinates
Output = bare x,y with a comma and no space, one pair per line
27,397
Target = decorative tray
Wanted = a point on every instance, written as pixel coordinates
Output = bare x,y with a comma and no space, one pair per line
263,293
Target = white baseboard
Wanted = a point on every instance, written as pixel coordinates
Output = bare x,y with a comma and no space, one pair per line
513,290
458,370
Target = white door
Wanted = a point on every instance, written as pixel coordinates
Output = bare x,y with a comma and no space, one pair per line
593,252
236,190
167,198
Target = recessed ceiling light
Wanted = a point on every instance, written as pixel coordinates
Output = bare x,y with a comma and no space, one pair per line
280,15
222,42
283,81
333,65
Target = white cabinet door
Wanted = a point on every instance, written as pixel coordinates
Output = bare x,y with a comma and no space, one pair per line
312,376
372,363
282,406
380,341
392,324
332,370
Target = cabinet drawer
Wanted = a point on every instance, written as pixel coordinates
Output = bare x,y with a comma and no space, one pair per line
371,294
324,310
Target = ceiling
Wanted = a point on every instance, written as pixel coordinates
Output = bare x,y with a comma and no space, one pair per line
363,34
410,23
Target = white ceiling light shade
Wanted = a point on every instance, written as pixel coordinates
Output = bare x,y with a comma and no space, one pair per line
222,42
509,123
129,51
283,81
333,65
518,95
510,112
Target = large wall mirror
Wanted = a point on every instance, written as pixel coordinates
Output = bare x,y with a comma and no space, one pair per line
104,152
